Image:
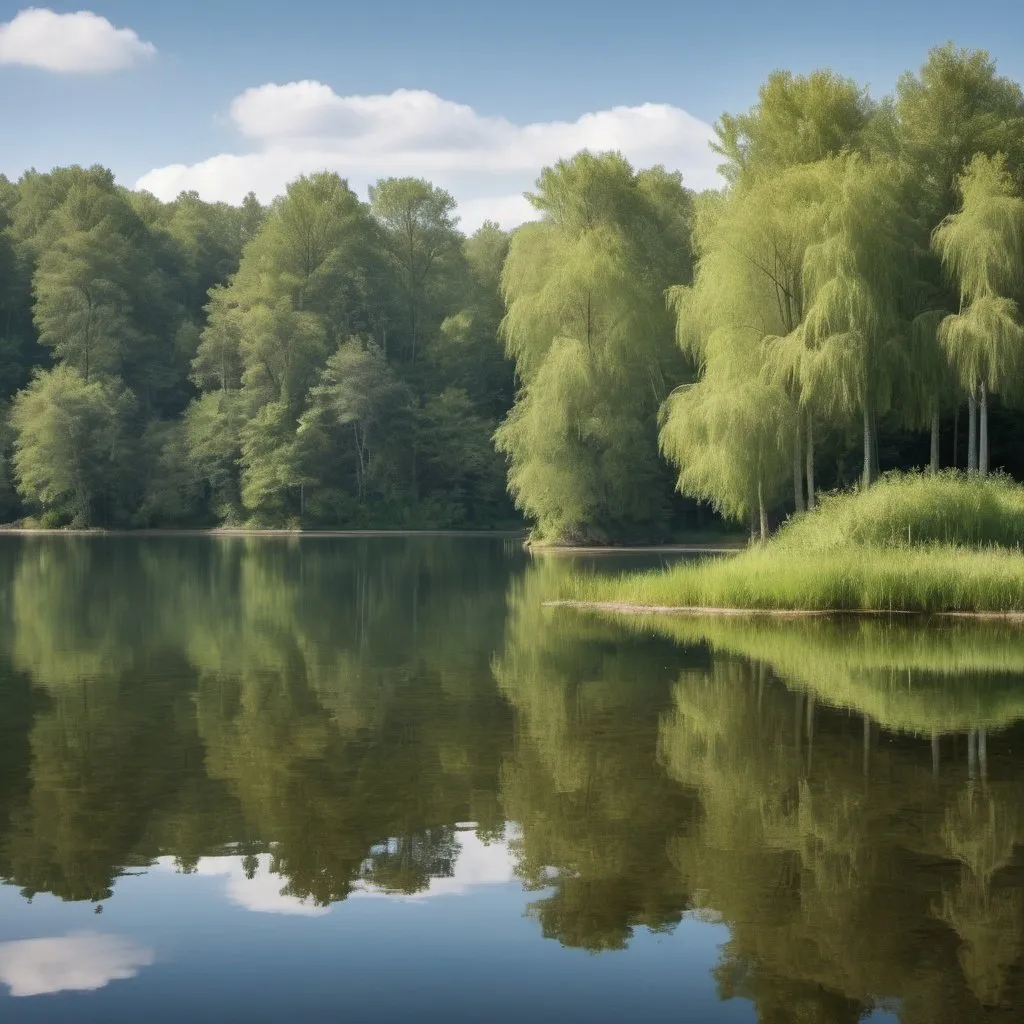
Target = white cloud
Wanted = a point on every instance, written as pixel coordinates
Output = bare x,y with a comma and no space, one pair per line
262,894
79,42
478,864
77,962
486,162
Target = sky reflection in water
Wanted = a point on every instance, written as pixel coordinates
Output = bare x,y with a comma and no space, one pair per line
270,780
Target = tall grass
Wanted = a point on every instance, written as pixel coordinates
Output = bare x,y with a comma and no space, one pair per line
911,509
911,543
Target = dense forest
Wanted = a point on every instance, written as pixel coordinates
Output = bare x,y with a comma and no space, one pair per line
848,303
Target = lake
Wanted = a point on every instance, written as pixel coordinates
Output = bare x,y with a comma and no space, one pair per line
375,780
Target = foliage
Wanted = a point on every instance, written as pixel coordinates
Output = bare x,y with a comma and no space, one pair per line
587,327
633,362
73,445
982,248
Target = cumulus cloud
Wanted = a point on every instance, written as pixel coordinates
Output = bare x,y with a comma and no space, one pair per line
478,865
77,962
262,894
486,162
69,43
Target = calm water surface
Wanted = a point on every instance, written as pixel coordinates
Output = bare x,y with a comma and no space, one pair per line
374,780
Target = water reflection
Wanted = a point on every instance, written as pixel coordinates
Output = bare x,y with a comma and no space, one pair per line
301,724
34,967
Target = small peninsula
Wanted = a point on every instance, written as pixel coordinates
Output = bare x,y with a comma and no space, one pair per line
915,543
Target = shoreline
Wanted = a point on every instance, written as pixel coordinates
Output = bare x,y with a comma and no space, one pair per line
640,549
221,531
625,608
15,531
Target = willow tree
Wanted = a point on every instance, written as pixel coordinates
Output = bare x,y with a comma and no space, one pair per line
797,119
854,280
587,327
728,432
982,248
780,143
927,389
953,108
774,155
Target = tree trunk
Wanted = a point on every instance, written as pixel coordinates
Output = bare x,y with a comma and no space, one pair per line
874,443
810,463
934,465
798,467
798,720
972,433
983,431
359,461
956,437
761,511
868,474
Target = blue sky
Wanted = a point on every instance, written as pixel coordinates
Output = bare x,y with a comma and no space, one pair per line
525,64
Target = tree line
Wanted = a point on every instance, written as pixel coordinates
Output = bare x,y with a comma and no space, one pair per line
323,360
832,311
847,303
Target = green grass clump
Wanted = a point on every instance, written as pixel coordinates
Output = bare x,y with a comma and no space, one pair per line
911,543
908,509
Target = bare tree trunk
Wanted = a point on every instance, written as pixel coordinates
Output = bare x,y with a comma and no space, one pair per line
811,501
359,461
868,474
798,721
761,511
874,446
810,729
798,468
934,465
983,431
972,432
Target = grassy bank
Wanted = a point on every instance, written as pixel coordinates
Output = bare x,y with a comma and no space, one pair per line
911,543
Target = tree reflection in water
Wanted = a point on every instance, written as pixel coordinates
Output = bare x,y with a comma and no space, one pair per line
844,795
